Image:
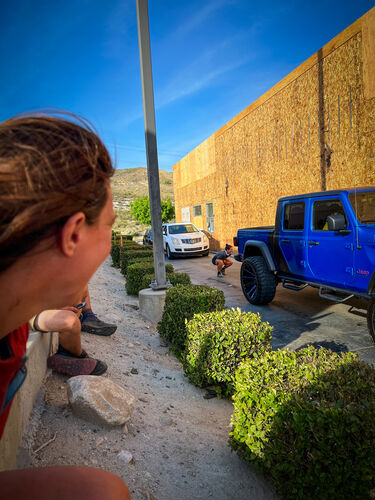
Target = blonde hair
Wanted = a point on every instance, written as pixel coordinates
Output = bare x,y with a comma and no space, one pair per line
50,168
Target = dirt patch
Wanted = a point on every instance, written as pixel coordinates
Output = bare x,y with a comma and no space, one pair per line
175,445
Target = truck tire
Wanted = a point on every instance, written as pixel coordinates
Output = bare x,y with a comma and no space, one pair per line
371,319
257,281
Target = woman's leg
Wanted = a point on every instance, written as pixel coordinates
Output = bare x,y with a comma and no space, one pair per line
66,323
219,264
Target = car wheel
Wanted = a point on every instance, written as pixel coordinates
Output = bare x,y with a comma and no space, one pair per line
257,281
169,255
371,319
204,254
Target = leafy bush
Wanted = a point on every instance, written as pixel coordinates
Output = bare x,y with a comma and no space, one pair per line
136,272
140,209
131,244
181,303
129,255
218,342
115,238
115,254
128,237
179,279
307,418
174,278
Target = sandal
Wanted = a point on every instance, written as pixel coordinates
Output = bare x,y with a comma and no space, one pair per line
66,363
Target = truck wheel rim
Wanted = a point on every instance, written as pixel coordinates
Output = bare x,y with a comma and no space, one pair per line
249,281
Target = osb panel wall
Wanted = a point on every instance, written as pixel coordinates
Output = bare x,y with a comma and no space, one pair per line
316,133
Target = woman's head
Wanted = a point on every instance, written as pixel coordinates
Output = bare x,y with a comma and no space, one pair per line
50,169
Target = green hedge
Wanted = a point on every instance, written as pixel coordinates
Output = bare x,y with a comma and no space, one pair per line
218,342
136,272
129,255
131,245
115,254
181,303
174,278
144,260
115,238
179,279
308,420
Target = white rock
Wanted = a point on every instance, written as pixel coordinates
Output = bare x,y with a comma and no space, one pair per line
100,400
125,456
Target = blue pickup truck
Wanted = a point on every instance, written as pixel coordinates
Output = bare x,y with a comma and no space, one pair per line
325,240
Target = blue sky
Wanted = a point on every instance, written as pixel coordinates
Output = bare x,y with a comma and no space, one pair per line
211,59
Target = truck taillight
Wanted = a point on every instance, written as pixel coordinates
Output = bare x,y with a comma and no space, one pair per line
235,243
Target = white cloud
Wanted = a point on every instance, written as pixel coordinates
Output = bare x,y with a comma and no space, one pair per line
198,17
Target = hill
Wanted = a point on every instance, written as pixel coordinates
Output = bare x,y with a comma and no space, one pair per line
132,183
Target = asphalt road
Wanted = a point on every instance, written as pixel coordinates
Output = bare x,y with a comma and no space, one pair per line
298,318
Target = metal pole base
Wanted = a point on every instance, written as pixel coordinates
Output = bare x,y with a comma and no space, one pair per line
155,286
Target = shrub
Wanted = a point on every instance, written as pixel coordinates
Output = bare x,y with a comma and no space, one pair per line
181,303
308,420
218,342
174,278
115,254
179,279
127,237
136,272
129,255
131,244
115,238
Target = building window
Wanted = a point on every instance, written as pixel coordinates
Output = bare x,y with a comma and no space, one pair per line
210,217
197,211
294,216
185,214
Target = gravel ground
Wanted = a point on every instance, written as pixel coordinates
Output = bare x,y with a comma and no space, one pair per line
176,440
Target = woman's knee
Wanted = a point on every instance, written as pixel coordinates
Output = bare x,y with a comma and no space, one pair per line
63,483
111,487
70,321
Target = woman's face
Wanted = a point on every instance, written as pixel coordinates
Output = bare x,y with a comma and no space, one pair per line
94,248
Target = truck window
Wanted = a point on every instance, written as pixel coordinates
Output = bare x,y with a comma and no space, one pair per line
322,209
294,216
363,204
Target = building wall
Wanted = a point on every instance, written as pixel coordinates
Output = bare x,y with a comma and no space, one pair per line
313,131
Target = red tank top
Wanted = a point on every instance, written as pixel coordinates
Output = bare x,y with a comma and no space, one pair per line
8,367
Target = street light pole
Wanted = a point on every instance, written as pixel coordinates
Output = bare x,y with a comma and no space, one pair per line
151,146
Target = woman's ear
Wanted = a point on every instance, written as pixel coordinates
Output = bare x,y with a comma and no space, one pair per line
71,234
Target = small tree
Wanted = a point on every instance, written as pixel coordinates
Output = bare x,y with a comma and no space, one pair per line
140,209
167,210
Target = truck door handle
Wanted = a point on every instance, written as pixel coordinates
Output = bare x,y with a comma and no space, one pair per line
315,243
285,241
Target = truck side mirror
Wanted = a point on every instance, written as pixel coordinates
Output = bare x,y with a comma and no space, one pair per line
336,222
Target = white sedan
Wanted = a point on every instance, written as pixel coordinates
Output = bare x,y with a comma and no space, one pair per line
183,239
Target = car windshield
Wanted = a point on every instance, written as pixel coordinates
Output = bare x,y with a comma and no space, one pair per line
182,228
363,204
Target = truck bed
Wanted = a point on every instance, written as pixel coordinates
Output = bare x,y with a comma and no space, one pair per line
254,233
